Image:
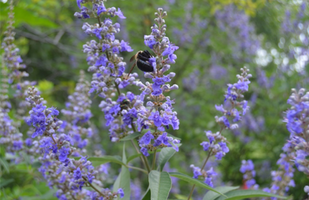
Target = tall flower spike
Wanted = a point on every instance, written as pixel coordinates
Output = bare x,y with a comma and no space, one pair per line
55,152
217,143
108,68
158,115
16,68
247,168
77,114
10,136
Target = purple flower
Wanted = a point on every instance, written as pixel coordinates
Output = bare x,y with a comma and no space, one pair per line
77,174
120,14
120,192
157,120
149,41
101,8
101,61
97,32
125,47
63,154
146,139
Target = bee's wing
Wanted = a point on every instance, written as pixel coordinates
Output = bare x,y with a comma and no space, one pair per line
133,57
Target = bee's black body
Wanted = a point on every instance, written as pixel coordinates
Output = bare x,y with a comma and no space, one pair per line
142,61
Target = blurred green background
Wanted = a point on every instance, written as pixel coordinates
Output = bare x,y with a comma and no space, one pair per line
215,38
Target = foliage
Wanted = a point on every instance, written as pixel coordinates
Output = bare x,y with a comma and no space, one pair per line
215,38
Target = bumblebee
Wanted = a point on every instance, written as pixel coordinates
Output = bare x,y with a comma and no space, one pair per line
142,61
125,104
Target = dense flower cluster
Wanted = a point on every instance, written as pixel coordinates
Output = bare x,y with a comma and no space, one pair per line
77,114
247,168
126,112
296,119
108,68
207,175
295,30
55,151
10,135
158,113
239,31
216,146
282,179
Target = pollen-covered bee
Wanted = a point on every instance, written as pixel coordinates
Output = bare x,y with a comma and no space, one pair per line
142,61
125,104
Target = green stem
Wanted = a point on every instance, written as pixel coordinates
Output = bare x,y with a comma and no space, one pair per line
137,168
154,159
142,158
98,191
192,189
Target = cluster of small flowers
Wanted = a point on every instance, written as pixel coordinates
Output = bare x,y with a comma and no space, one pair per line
77,114
207,175
217,143
158,113
237,26
282,179
109,69
290,27
297,34
247,168
234,93
68,175
15,66
297,124
10,137
192,26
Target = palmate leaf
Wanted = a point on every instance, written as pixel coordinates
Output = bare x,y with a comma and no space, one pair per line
165,154
243,194
123,180
160,184
96,161
193,181
210,195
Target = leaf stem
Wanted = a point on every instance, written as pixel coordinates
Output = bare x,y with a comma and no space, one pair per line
154,159
192,189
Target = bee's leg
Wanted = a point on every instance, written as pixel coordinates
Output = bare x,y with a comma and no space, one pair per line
131,70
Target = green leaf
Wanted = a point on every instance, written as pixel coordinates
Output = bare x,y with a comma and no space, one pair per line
147,195
160,184
193,181
243,194
131,136
210,195
96,161
165,154
5,182
133,157
123,180
5,165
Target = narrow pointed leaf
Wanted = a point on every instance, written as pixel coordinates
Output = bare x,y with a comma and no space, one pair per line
147,195
96,161
123,180
243,194
131,136
164,156
210,195
193,181
160,185
133,157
